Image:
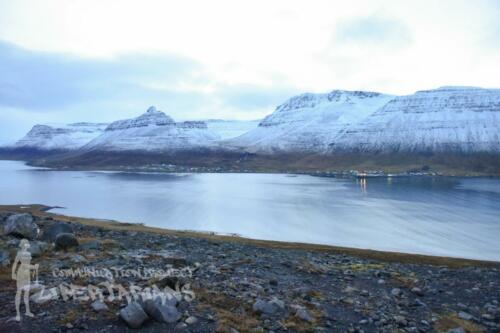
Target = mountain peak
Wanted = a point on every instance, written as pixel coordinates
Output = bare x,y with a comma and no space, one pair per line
152,109
311,100
152,117
452,89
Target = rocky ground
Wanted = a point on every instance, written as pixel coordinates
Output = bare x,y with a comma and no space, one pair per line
229,284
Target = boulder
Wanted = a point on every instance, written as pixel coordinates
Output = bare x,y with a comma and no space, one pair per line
37,248
21,226
133,315
13,242
51,232
165,313
4,258
65,241
162,309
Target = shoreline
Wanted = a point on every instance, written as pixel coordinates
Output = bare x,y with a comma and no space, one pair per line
401,163
187,170
43,211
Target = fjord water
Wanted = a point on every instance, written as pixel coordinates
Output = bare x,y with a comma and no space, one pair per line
457,217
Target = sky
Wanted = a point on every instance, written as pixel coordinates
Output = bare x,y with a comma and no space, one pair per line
103,60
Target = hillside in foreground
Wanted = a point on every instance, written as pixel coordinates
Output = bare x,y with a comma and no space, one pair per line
242,285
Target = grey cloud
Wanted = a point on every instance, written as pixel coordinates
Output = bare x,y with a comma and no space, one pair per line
251,97
43,81
65,88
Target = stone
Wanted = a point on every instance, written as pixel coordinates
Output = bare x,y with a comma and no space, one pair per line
417,291
262,306
400,320
65,241
465,316
487,316
78,259
37,248
304,315
191,320
13,242
165,313
277,302
133,315
21,226
180,326
151,304
457,330
162,309
99,306
91,245
51,232
396,292
4,258
350,289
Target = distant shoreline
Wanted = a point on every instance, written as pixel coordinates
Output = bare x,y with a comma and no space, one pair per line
326,174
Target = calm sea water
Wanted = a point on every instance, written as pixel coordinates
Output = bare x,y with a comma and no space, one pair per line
439,216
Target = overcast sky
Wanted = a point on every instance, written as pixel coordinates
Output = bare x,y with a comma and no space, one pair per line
101,60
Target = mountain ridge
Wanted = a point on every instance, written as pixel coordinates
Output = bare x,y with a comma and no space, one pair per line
308,122
152,131
447,119
339,129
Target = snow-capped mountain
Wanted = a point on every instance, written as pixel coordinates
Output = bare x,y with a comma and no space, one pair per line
448,119
60,137
309,122
456,119
153,131
228,129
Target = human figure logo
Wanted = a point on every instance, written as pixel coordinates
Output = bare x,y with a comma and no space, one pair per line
21,272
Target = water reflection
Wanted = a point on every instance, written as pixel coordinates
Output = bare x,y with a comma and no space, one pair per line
363,183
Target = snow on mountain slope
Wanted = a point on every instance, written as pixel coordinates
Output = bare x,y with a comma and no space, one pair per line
309,122
458,119
60,137
153,131
227,129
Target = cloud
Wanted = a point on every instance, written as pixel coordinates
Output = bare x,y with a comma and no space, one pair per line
251,97
46,81
54,87
373,30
